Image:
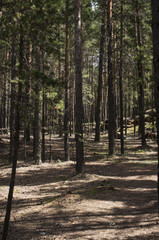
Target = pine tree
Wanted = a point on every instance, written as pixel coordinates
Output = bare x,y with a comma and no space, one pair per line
100,77
78,91
111,97
66,115
155,32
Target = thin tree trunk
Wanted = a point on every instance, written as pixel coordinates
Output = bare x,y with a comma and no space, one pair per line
78,91
14,165
28,98
15,148
121,80
111,98
5,99
37,126
43,126
125,115
66,116
43,113
73,103
12,102
59,115
140,76
155,32
100,77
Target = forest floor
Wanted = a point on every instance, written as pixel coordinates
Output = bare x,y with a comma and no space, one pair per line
115,199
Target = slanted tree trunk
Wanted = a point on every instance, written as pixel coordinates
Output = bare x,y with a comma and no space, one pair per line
111,98
155,32
66,116
15,146
14,165
78,91
100,77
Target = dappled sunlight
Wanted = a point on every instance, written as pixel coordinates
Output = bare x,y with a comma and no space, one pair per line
115,196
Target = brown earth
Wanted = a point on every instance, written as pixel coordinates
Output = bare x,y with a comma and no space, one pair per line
116,198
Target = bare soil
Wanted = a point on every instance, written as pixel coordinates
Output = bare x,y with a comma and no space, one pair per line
115,199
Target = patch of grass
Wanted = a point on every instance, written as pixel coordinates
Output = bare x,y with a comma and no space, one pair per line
141,151
92,191
16,191
2,161
50,200
60,178
100,153
99,189
148,162
30,154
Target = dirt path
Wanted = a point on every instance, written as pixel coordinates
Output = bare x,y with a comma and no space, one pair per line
115,199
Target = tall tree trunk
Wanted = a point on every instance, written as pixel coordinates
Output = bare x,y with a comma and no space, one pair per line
73,102
111,98
78,91
125,114
28,98
100,77
4,104
14,165
12,102
43,113
59,115
66,116
43,125
15,147
37,126
140,76
121,80
5,98
155,32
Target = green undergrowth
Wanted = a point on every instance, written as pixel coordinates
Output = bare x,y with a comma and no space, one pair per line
146,162
3,161
99,189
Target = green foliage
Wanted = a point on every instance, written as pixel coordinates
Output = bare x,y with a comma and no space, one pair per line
60,105
42,23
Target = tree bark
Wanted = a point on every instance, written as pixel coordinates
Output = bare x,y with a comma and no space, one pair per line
121,80
66,116
100,77
15,146
28,98
37,117
14,165
140,76
78,91
111,98
12,102
43,112
43,125
5,99
155,33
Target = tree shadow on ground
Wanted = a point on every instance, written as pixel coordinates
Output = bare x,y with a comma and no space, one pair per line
75,225
124,189
136,197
